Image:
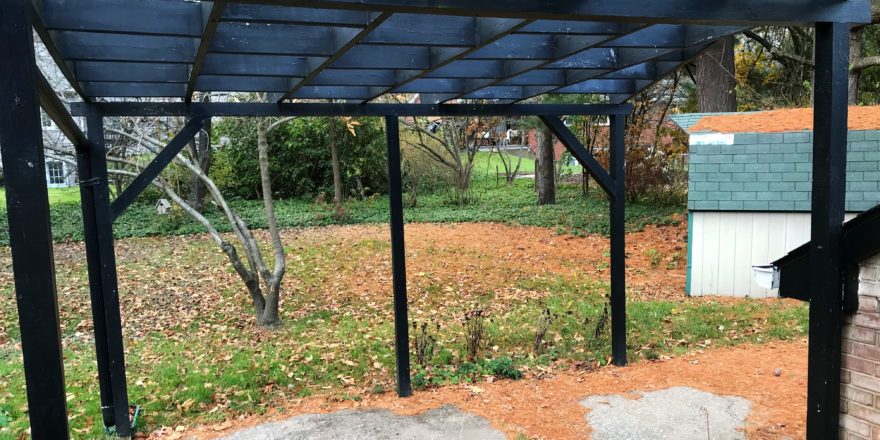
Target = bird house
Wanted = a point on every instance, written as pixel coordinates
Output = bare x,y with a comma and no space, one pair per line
163,206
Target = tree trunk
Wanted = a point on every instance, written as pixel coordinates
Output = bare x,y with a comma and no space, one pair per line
269,316
716,78
545,172
337,168
855,53
200,150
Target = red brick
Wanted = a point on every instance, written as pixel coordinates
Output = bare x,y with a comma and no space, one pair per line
868,304
865,351
865,382
855,426
858,362
870,415
854,394
869,320
860,334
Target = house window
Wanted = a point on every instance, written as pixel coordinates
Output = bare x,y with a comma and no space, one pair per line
55,172
47,121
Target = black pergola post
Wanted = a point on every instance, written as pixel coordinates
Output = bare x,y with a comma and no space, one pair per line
613,183
829,192
398,257
96,288
30,233
102,246
618,239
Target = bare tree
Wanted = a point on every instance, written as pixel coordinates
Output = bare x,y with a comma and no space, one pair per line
263,284
451,142
510,163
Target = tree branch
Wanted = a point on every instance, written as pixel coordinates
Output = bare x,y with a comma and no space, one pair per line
776,52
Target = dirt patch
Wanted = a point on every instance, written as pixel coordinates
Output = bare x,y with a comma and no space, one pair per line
549,407
783,120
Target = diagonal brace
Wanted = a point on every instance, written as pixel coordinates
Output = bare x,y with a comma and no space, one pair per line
577,149
142,181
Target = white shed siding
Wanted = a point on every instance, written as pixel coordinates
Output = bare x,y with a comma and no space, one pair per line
725,246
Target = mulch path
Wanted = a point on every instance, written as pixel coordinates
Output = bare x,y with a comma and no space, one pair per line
549,407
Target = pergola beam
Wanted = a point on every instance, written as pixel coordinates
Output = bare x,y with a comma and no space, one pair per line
51,45
345,47
338,109
487,31
583,156
58,113
212,19
750,12
155,167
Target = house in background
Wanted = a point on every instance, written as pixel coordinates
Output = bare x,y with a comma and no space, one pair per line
59,174
749,190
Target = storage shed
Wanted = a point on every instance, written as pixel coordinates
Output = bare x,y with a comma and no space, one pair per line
749,190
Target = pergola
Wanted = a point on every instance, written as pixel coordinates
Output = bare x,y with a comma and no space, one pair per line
462,58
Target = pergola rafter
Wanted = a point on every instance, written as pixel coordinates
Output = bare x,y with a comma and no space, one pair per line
355,52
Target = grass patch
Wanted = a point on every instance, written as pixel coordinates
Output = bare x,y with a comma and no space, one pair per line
56,196
207,379
502,203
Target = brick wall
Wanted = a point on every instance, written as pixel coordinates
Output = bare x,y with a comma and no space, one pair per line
773,172
860,378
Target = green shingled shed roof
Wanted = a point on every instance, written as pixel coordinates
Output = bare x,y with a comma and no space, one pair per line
771,171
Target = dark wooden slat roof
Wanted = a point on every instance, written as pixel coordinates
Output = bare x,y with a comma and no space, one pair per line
505,50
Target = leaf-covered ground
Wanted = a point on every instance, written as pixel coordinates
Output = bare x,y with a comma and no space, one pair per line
195,357
489,202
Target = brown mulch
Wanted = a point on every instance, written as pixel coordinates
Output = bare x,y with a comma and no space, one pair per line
549,408
492,254
783,120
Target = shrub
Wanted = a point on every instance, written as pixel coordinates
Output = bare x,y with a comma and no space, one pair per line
503,367
299,158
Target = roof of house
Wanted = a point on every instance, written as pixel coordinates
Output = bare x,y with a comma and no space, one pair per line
771,121
861,240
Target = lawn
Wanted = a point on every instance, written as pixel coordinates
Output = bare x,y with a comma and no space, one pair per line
490,203
526,285
195,357
56,196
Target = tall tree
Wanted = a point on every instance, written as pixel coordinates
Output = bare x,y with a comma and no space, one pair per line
787,47
716,77
545,173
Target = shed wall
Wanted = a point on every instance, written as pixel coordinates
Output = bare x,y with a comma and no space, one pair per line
723,247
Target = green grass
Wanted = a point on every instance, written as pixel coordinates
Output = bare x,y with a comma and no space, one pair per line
490,203
56,196
486,163
208,372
